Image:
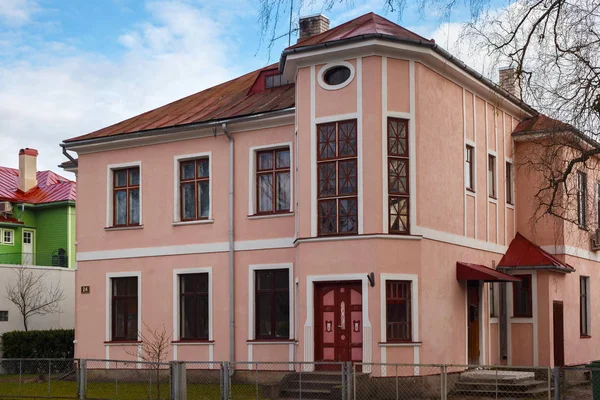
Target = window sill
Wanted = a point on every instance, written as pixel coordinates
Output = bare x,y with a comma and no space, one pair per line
272,341
193,342
511,206
585,337
583,228
123,228
400,344
273,215
521,320
470,192
493,199
123,343
198,222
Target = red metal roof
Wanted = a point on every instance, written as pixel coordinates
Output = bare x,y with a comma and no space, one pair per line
227,100
367,24
475,272
9,220
522,253
541,123
51,188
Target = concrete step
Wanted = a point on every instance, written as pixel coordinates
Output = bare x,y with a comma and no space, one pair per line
501,386
305,393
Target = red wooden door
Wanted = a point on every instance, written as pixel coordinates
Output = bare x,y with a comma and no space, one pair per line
559,334
473,321
338,322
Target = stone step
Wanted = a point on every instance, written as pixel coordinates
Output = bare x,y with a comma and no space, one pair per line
306,393
310,384
501,386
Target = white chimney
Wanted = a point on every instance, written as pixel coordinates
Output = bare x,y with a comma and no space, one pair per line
27,169
509,81
312,25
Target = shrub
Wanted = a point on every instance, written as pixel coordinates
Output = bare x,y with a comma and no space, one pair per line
55,343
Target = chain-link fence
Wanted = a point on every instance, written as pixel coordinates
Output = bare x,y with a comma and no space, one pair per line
582,383
114,380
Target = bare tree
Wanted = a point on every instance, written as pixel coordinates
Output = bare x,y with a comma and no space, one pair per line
154,349
32,294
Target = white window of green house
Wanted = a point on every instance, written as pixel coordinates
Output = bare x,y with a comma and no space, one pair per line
8,236
193,188
270,180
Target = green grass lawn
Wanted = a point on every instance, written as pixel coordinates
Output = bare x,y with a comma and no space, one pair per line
110,391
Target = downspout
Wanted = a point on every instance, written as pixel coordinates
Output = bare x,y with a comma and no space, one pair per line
231,252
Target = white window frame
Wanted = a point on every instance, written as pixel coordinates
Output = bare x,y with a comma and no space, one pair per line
473,164
512,182
12,235
177,195
108,322
496,301
495,182
109,193
176,297
414,305
588,305
327,67
252,189
251,300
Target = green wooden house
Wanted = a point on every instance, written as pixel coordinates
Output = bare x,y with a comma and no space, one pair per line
37,215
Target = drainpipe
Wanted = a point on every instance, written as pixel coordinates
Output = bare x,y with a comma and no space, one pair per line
231,251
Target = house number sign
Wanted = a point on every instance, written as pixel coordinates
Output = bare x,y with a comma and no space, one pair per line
85,290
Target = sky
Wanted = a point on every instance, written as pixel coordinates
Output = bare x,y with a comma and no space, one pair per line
69,67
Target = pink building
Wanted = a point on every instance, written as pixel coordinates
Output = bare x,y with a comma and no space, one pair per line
356,201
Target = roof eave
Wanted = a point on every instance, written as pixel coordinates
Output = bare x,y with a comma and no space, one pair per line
549,267
428,44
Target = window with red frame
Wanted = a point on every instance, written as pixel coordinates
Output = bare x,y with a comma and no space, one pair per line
337,168
398,189
124,308
273,181
272,304
126,196
398,311
522,297
194,189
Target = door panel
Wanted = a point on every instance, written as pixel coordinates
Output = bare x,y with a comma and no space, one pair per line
338,322
559,335
473,321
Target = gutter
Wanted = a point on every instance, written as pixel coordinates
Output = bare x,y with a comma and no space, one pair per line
422,43
231,249
174,129
538,267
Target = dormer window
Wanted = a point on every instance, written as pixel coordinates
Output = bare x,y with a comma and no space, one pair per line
273,81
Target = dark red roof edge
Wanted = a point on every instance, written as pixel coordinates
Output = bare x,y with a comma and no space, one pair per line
476,272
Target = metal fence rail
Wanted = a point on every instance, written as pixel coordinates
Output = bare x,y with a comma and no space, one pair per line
201,380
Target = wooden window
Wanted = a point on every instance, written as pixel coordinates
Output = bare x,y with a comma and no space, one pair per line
3,316
8,236
398,185
194,189
276,80
273,181
522,297
126,196
470,168
398,311
337,165
509,184
125,308
272,304
581,199
492,176
193,306
584,305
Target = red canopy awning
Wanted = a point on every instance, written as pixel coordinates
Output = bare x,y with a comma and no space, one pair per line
475,272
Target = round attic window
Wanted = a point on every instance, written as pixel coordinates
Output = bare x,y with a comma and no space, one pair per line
336,76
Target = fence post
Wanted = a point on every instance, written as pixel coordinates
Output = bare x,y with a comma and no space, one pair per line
178,380
443,382
82,379
556,375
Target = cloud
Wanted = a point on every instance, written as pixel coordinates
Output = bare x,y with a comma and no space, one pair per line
56,91
17,12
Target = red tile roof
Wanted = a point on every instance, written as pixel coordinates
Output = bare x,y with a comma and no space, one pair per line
541,123
50,189
227,100
367,24
522,253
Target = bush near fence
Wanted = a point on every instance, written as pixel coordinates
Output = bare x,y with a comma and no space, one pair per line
54,343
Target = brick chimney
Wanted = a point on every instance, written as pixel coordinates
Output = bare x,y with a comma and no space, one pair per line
27,169
312,25
509,81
